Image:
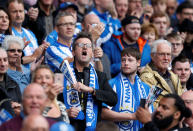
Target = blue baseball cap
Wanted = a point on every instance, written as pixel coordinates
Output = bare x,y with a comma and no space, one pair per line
61,126
65,5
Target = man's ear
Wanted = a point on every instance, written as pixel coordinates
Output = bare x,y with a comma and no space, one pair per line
177,115
138,63
56,28
73,53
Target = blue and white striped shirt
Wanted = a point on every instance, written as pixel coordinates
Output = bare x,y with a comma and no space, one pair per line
55,54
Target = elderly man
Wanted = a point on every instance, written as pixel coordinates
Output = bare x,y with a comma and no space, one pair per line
84,100
188,99
167,116
157,73
33,101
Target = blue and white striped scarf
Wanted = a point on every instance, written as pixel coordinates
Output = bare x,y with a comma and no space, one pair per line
129,100
71,99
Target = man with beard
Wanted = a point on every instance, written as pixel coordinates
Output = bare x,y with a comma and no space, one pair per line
167,116
131,29
84,100
130,89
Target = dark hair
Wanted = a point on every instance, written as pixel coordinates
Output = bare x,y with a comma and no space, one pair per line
184,5
4,9
107,126
18,1
180,105
180,58
82,34
131,51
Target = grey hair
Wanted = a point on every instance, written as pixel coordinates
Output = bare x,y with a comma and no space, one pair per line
61,14
157,42
10,39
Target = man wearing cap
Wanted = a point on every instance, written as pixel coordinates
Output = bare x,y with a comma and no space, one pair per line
131,29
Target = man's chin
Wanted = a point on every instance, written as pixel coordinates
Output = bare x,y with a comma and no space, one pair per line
163,123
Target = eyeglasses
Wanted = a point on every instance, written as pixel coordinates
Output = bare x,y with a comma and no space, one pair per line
87,45
67,24
14,50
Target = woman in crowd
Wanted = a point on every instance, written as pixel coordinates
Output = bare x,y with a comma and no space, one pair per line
14,46
149,33
4,24
54,109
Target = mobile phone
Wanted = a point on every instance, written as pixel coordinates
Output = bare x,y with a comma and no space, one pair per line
59,78
142,102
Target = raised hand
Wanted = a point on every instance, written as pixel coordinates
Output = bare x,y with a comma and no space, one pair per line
33,13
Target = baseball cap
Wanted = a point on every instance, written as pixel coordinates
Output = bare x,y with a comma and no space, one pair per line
129,20
65,5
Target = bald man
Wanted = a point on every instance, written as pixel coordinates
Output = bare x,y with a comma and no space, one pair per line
89,24
188,99
35,123
33,101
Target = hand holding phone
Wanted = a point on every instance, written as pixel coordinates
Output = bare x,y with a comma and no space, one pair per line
142,102
59,78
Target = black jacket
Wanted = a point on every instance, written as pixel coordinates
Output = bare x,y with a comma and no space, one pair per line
104,94
11,88
150,126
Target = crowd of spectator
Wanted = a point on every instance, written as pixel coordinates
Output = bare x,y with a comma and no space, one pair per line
89,65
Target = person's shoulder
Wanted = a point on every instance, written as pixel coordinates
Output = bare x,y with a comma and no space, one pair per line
14,123
147,73
100,74
50,121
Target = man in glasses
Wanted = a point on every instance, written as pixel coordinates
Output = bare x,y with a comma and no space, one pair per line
84,99
156,72
60,50
177,43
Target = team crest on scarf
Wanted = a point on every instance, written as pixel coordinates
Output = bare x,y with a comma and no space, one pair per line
71,99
